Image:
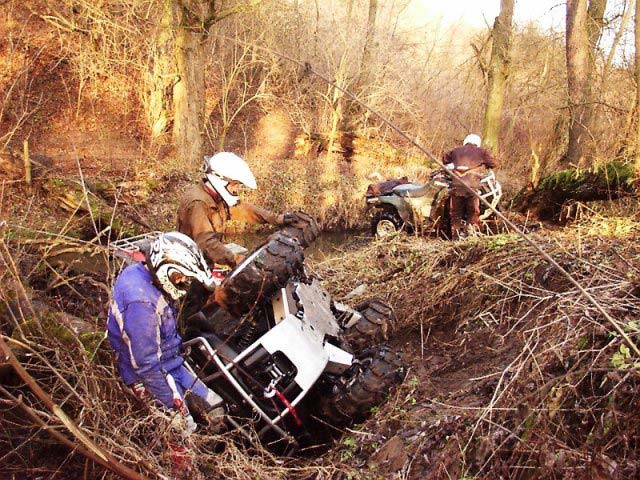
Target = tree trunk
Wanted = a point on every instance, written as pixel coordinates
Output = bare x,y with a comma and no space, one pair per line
637,72
498,74
337,111
188,92
316,34
368,50
338,114
195,19
348,111
624,23
595,21
163,75
577,52
584,29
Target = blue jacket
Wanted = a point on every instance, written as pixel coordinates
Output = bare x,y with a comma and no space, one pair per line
142,329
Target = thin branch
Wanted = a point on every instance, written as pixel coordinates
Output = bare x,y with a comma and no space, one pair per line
88,447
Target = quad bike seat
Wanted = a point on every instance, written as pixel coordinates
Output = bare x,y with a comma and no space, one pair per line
411,190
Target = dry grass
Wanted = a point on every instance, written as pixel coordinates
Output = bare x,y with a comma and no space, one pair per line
534,380
516,365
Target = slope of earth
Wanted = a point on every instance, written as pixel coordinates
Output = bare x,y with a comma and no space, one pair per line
513,374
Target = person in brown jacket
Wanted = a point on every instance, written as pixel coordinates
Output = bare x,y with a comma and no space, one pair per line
206,207
466,161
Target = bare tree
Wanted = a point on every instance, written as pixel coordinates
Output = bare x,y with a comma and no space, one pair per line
369,43
244,78
584,28
595,21
624,23
334,96
345,112
163,74
498,73
195,18
577,51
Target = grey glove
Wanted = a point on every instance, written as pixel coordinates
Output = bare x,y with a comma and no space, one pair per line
209,412
183,424
215,420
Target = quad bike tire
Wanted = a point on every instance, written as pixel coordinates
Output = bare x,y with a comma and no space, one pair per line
380,370
386,223
261,274
374,327
303,227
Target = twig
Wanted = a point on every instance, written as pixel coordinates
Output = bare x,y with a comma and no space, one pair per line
87,447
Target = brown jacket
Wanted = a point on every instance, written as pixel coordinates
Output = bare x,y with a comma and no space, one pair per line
472,157
203,218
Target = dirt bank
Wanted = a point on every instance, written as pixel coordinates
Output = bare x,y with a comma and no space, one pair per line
513,374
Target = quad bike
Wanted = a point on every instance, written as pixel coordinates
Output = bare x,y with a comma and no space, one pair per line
422,208
287,359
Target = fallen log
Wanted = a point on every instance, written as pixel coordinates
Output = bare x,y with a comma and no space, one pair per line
605,182
73,198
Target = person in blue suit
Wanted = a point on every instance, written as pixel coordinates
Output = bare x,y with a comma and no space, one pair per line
142,328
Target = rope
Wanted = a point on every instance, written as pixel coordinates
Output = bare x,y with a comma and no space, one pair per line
614,323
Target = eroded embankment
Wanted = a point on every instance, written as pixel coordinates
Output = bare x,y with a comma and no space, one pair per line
513,373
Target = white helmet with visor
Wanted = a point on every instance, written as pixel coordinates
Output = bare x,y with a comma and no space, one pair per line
226,167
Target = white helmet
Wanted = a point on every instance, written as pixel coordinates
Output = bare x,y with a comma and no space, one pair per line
473,139
224,167
172,253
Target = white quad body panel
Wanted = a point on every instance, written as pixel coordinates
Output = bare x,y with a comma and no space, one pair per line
303,338
294,339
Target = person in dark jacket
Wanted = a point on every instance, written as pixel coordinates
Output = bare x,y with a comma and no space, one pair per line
142,328
206,207
466,161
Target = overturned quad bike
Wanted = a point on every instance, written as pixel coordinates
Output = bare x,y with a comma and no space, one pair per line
289,361
422,208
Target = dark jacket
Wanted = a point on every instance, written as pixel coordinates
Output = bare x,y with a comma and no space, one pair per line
473,158
203,218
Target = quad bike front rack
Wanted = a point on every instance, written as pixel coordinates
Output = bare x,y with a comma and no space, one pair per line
270,423
132,249
491,191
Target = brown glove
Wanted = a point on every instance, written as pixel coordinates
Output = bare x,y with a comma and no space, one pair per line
287,218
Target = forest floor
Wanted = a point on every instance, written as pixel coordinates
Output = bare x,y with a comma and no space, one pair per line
511,372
